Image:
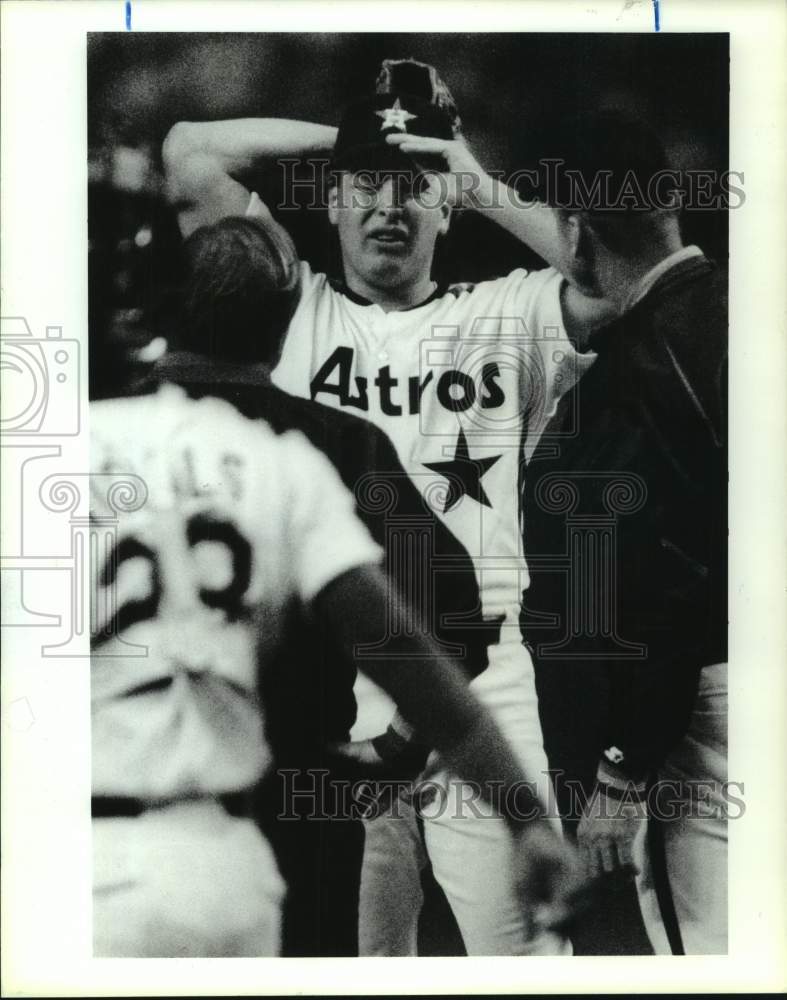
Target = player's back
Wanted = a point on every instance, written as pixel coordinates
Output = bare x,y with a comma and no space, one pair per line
210,534
193,513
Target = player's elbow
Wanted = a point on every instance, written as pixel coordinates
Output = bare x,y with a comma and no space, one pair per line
179,143
192,174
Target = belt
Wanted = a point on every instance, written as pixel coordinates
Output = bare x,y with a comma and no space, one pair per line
237,804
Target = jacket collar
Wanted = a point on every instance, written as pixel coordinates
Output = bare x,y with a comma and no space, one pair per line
685,270
647,281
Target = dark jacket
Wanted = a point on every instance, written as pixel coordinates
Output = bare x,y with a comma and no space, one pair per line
625,514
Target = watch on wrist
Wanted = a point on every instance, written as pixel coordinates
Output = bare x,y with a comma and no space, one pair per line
613,780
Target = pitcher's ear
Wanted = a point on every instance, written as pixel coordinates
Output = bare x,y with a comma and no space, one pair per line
333,204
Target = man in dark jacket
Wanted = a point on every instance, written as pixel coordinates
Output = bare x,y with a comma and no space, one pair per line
625,514
231,337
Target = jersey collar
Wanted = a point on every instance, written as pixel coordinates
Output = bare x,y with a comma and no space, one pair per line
343,289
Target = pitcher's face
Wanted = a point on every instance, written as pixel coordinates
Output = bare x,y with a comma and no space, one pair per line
388,225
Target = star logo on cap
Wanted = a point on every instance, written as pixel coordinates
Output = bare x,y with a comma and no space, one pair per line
395,117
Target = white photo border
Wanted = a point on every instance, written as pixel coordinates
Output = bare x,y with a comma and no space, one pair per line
45,700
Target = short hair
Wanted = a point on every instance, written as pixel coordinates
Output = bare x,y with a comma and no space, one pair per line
240,289
609,144
611,166
629,234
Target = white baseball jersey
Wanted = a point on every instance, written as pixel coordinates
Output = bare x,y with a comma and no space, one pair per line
205,527
454,382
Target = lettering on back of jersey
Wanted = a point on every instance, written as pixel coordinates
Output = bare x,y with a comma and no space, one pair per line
140,599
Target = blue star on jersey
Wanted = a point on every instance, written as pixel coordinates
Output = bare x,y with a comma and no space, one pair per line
395,117
464,474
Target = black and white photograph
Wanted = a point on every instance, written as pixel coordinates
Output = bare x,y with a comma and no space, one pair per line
405,540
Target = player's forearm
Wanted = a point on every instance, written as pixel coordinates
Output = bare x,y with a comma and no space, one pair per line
484,758
469,185
429,690
203,162
531,222
243,143
434,699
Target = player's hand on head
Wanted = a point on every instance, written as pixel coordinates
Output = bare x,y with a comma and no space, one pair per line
550,877
464,176
607,831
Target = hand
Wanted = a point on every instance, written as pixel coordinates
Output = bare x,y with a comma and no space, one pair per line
466,178
550,877
360,751
607,832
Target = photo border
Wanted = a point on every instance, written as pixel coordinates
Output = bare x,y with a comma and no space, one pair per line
45,701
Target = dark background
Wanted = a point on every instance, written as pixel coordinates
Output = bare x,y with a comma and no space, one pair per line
140,84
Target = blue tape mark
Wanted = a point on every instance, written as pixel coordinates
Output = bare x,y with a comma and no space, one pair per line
128,15
656,16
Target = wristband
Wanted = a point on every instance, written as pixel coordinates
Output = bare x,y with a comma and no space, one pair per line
616,785
631,794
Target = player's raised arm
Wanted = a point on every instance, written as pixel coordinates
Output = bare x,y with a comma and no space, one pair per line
468,185
205,162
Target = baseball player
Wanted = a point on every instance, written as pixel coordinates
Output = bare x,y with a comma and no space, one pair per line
235,272
192,585
455,374
237,523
